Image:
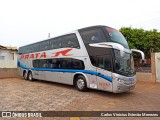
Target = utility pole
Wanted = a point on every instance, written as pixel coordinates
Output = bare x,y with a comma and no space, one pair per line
49,35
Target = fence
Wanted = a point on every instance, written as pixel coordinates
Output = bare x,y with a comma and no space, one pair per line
8,72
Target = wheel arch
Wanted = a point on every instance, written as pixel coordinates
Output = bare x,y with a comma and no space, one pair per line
80,73
30,71
25,70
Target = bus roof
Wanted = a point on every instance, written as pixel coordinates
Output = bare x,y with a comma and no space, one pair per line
95,26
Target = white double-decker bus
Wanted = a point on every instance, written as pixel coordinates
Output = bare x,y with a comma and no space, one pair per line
96,57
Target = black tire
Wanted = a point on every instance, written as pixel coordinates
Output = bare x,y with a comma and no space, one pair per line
30,76
25,75
81,83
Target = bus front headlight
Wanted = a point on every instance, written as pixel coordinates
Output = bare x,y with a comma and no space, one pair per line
120,80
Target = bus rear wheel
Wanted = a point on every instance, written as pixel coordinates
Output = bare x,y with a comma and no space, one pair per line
81,83
25,75
30,76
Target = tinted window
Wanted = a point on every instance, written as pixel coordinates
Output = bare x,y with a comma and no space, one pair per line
66,63
36,63
44,45
70,41
77,64
104,62
94,35
47,63
28,49
55,43
43,64
20,50
117,37
54,63
36,47
63,63
93,60
24,49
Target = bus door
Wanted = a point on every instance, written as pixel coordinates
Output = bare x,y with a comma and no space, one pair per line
104,68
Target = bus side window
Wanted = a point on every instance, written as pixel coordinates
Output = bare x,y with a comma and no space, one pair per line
65,63
24,49
28,48
42,63
55,63
44,45
20,50
93,60
77,64
36,47
49,61
55,43
36,63
94,35
104,62
70,40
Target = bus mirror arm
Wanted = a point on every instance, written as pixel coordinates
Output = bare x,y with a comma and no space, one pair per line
139,51
119,46
110,45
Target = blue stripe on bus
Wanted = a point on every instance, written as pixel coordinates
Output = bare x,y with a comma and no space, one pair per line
67,70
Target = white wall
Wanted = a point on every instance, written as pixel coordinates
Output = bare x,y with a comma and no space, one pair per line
157,64
10,59
7,54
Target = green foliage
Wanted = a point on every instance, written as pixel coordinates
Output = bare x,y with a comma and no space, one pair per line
147,41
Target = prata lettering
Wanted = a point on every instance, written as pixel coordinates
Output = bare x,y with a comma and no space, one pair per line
33,56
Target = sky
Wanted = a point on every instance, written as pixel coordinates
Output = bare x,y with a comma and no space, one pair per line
27,21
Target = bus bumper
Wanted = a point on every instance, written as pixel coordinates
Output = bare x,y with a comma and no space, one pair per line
120,85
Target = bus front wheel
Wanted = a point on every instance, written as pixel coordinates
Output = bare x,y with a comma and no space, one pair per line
81,83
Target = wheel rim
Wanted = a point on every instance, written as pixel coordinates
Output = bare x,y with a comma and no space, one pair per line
80,83
25,75
30,76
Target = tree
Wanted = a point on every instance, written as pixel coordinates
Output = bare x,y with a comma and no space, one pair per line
147,41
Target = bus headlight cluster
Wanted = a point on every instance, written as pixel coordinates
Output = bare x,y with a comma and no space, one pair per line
119,80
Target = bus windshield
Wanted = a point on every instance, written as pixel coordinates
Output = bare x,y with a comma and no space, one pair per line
125,65
117,37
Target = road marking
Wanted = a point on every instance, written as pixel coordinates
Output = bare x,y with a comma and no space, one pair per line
104,106
111,103
74,118
96,110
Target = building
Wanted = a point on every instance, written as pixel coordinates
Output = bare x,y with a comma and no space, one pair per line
8,57
8,61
